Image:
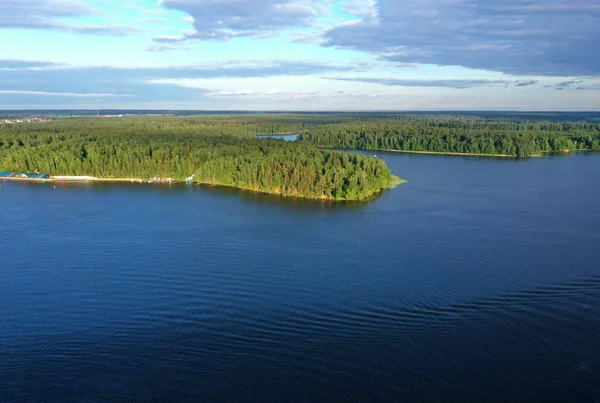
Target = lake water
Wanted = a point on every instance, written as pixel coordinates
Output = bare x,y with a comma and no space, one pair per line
478,280
286,137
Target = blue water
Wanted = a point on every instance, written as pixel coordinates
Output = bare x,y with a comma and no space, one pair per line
478,280
286,137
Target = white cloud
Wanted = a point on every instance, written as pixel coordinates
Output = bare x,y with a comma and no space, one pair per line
283,95
363,8
62,94
226,19
49,15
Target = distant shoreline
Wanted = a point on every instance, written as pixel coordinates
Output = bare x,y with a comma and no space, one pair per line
448,153
482,155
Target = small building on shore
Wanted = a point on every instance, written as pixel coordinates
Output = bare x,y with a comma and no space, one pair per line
23,175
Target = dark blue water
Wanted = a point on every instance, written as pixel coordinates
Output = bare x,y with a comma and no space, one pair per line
478,280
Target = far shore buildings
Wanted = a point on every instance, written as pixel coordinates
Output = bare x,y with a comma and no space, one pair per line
23,120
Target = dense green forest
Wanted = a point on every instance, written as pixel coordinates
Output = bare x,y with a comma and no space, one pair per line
223,149
472,135
217,150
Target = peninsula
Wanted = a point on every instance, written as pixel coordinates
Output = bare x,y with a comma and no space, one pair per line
203,150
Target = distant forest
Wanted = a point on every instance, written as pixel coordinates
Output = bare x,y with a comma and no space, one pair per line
220,150
329,117
466,135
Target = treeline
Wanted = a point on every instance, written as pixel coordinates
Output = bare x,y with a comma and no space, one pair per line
308,119
221,123
296,170
494,138
218,151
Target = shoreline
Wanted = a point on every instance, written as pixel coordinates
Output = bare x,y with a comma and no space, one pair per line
396,181
541,155
449,153
425,152
75,179
156,181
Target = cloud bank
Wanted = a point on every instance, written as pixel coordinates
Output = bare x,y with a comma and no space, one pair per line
456,84
519,37
22,82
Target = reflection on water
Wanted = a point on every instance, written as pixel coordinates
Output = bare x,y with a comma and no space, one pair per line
265,199
476,279
286,137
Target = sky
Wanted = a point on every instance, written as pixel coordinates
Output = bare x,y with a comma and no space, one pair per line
300,55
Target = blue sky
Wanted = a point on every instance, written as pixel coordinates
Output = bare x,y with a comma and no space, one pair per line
300,54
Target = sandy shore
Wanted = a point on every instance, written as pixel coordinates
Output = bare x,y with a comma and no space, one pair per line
76,179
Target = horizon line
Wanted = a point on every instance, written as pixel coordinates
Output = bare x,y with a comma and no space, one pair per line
299,111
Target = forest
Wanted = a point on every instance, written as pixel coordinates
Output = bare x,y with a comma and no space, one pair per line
223,148
218,150
462,134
